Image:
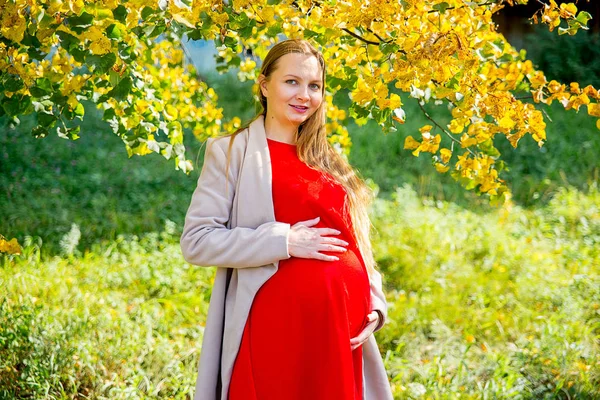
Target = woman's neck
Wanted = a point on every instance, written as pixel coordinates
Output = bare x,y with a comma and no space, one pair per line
279,132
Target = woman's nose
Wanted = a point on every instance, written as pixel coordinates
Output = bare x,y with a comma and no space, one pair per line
302,93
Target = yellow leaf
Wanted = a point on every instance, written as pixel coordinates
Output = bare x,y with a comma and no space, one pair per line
247,65
9,247
598,124
506,122
267,14
170,112
76,6
445,154
441,168
363,94
577,101
591,92
537,79
467,141
426,128
455,126
574,87
92,34
442,92
72,101
175,133
568,10
141,106
395,101
103,13
555,87
594,109
142,149
183,20
13,23
410,143
100,46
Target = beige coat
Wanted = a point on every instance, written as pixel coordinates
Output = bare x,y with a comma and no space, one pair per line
231,224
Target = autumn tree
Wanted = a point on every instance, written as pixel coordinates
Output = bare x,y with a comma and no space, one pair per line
126,57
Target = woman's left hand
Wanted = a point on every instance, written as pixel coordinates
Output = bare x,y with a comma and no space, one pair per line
362,337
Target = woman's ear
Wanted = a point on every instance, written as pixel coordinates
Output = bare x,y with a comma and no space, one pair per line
262,85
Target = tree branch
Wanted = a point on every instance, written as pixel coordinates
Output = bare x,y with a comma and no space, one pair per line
367,41
260,21
524,98
379,37
443,129
489,3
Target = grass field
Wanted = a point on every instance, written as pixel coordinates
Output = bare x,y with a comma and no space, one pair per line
495,305
484,303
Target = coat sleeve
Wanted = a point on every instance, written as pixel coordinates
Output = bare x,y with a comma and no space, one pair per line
378,302
206,240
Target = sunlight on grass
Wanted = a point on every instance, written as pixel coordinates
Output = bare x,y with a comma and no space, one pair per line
482,305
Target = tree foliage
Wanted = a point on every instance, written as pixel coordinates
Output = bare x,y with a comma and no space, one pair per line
126,56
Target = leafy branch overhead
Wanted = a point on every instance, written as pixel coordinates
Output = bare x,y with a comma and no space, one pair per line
127,57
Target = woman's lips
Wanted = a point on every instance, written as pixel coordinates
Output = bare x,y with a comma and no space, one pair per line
300,109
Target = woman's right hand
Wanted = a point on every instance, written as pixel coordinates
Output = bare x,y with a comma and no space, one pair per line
307,242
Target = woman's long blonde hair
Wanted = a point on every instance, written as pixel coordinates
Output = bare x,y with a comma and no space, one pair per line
314,149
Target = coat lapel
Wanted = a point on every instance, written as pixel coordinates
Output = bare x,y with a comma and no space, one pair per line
254,208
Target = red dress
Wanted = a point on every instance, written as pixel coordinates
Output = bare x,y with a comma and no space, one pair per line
296,342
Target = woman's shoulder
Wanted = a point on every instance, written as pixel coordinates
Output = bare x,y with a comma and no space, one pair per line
237,140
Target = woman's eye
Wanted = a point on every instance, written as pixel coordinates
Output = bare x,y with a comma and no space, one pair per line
313,86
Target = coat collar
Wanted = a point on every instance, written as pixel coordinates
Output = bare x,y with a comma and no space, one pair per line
257,137
256,177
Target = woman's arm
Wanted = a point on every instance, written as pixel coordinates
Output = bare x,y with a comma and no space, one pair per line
207,241
378,306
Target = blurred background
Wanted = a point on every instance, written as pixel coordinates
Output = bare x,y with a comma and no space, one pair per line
92,179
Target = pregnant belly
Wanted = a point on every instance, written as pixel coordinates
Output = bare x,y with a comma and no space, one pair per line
311,293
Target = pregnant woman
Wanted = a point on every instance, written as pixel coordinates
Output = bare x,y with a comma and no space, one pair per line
283,217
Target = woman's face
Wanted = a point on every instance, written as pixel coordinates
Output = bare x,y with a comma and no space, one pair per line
294,89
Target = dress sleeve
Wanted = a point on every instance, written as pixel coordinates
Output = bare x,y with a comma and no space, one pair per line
206,241
378,302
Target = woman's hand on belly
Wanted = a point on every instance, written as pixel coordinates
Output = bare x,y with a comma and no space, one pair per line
307,242
362,337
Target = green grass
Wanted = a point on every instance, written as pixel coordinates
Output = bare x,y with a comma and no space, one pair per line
501,305
49,184
123,320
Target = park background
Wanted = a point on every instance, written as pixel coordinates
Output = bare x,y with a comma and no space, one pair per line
484,302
